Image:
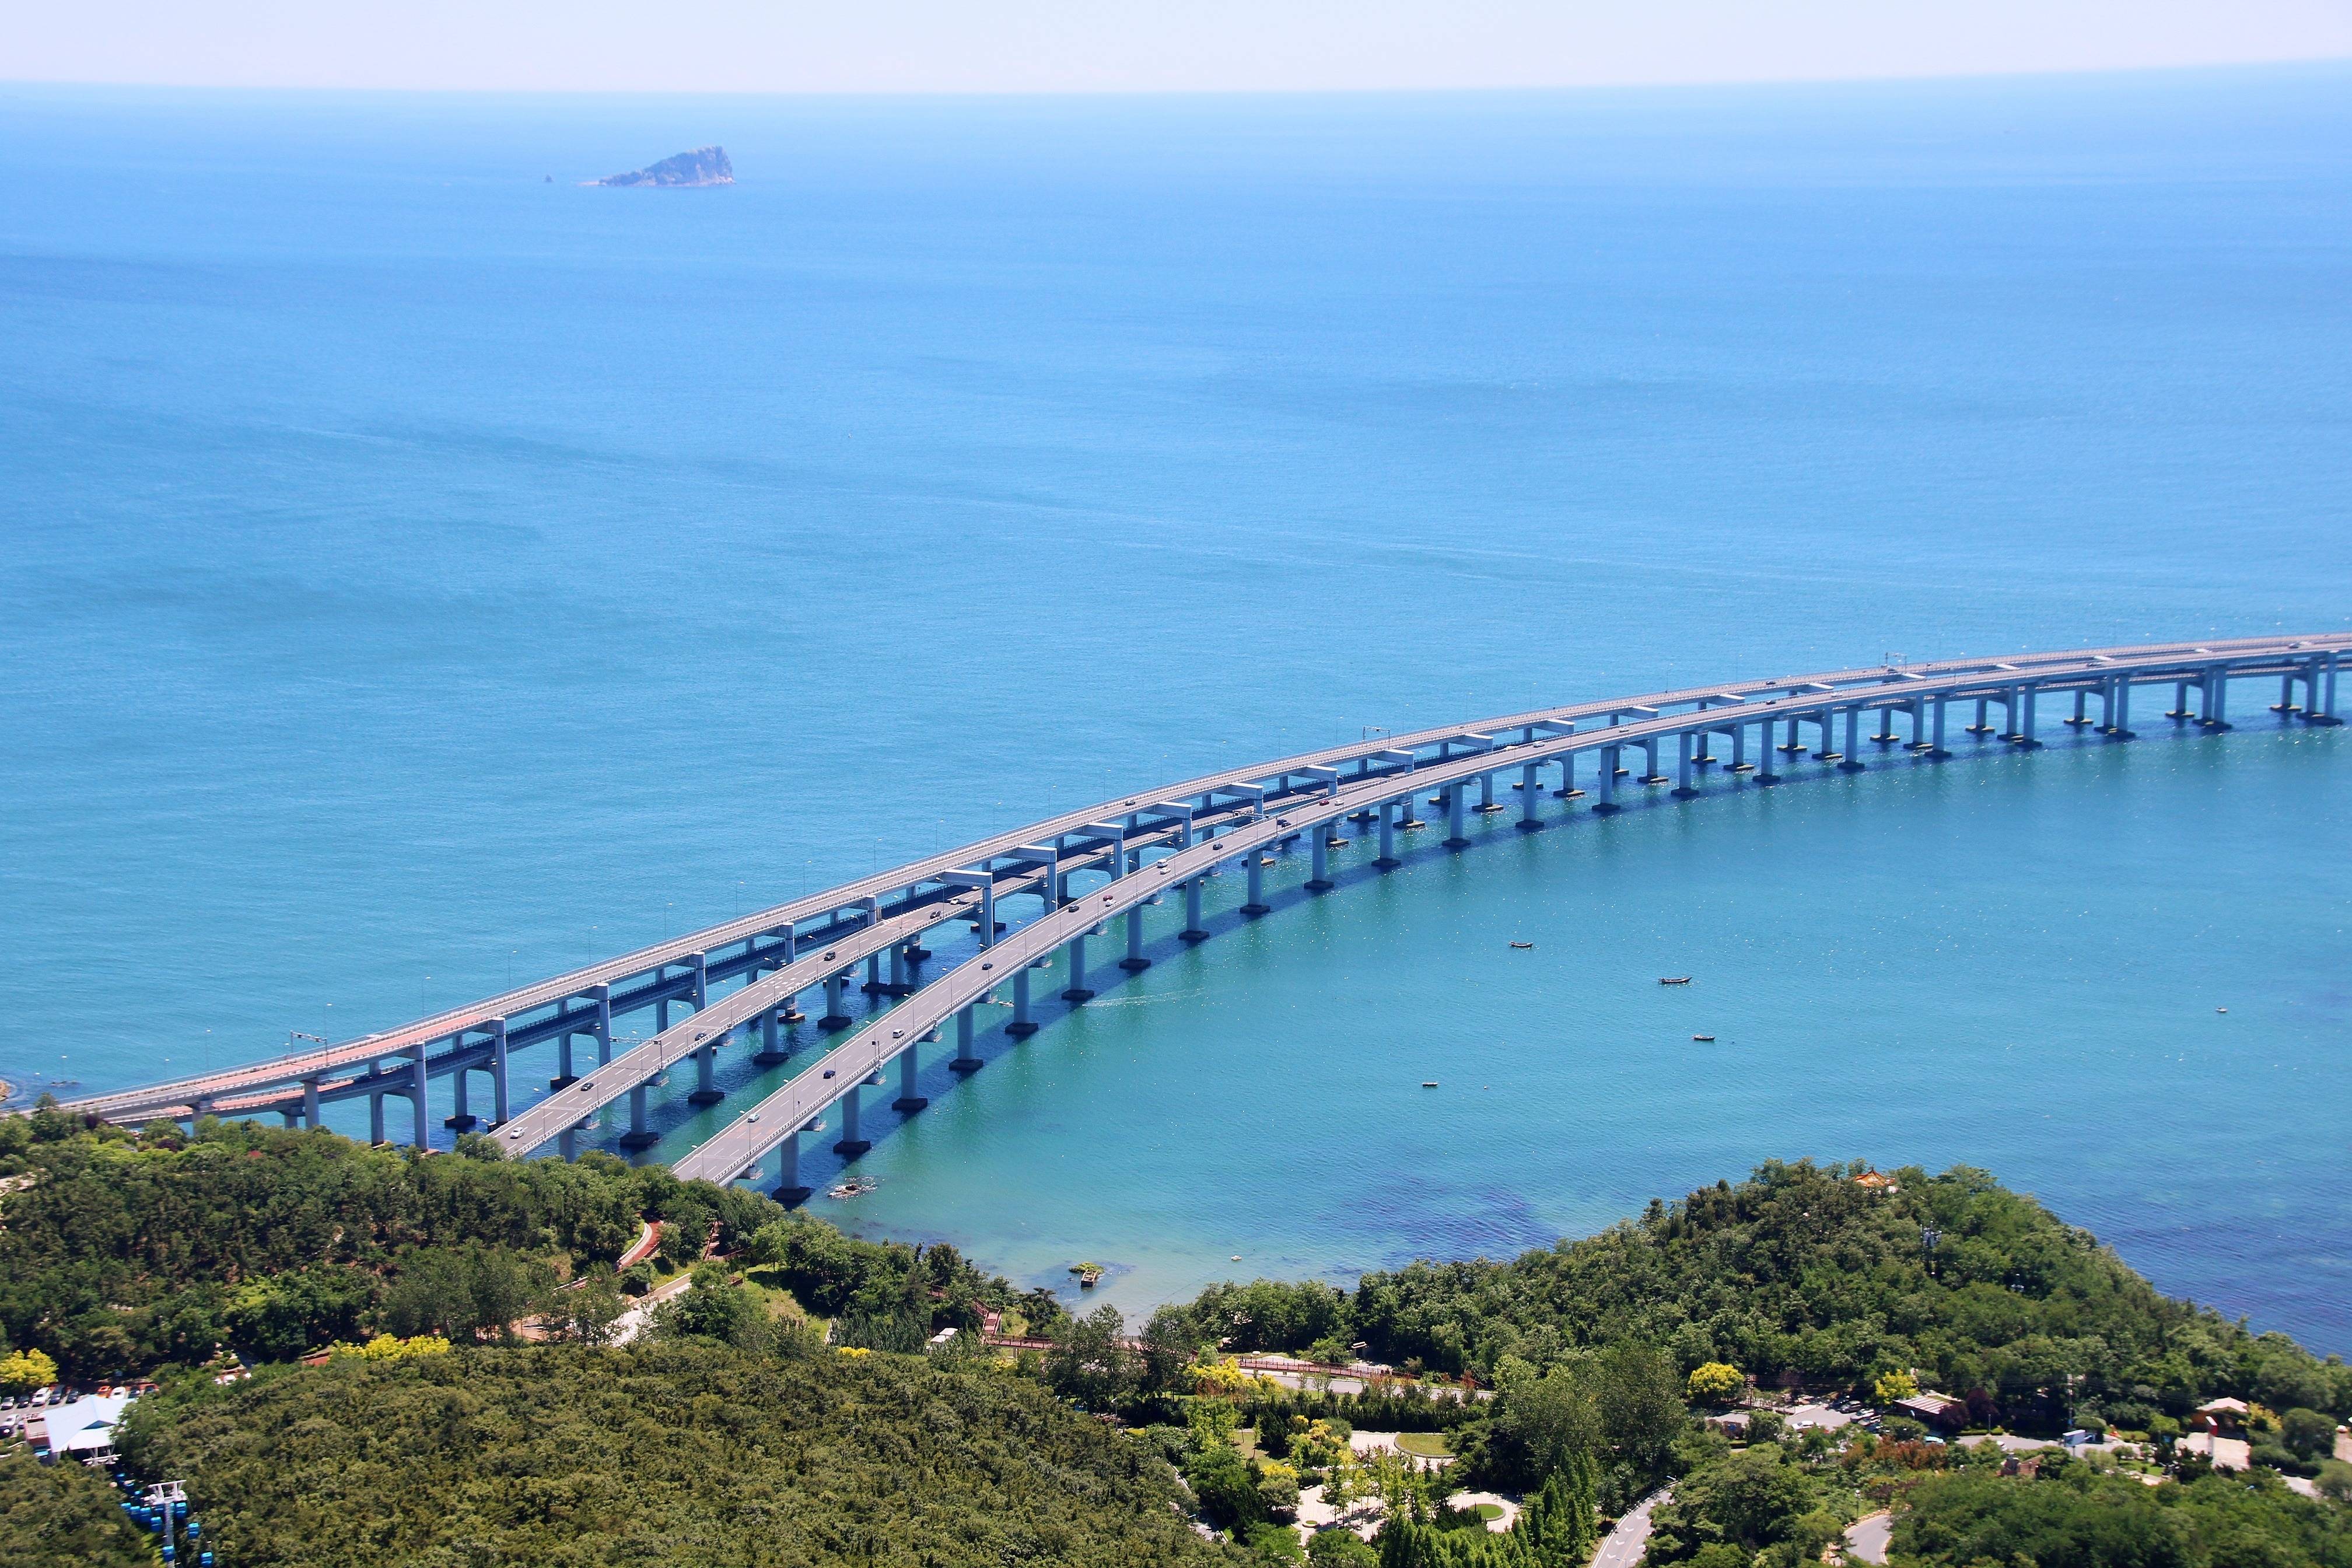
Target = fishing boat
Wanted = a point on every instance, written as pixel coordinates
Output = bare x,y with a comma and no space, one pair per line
1704,1039
1523,946
1429,1083
1674,979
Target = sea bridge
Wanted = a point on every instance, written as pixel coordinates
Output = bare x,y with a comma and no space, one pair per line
1073,876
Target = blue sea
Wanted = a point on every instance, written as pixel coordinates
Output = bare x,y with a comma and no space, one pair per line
419,573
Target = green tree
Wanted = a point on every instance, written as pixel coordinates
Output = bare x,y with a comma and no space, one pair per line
63,1514
1088,1364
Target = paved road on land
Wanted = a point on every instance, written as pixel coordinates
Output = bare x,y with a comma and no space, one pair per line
1623,1545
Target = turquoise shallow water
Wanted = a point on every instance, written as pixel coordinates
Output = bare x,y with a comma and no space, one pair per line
419,575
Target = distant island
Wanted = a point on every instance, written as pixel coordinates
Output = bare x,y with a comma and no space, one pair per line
703,166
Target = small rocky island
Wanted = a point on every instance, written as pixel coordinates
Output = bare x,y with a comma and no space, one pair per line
703,166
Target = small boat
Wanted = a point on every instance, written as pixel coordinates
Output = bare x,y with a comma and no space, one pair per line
1429,1083
1704,1039
1674,979
1523,946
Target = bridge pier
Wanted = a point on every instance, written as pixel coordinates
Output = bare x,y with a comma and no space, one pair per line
498,1071
1739,764
965,1062
789,1191
1827,751
1193,930
854,1142
2285,704
2082,707
461,1119
2326,703
2179,701
1022,1026
835,1002
1852,763
1568,790
639,1135
1651,775
1886,736
1255,860
1135,962
2216,700
1935,752
419,1105
375,1117
771,1052
706,1067
1682,790
1530,791
310,1102
1456,837
909,1101
1076,990
1319,861
1486,794
564,1077
602,994
1609,770
1388,856
1764,774
2119,725
1979,727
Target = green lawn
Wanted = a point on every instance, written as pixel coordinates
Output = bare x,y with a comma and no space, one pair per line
1424,1445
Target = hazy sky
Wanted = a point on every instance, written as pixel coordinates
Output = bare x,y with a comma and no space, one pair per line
924,46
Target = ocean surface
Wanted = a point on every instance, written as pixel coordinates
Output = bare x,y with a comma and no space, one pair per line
419,573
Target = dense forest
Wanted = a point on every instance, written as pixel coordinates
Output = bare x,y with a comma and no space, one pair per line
64,1514
120,1254
790,1405
1805,1274
685,1451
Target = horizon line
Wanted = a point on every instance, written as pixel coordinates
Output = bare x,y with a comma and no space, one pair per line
1497,89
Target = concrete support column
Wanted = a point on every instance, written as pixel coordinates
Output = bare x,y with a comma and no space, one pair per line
965,1062
897,969
2285,703
1318,860
639,1135
701,962
460,1118
2123,731
789,1191
375,1116
1388,836
1529,792
1193,930
873,986
705,1075
909,1101
1682,790
853,1141
310,1102
1886,736
835,1002
2327,697
1740,749
1568,790
1455,794
1852,763
2180,701
1022,1024
1764,774
1608,800
603,996
498,1071
771,1052
563,1073
1257,904
1077,991
1827,751
1650,774
2029,697
1135,962
420,1108
1936,733
1981,727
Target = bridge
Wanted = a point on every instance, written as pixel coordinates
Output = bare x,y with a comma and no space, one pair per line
742,982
